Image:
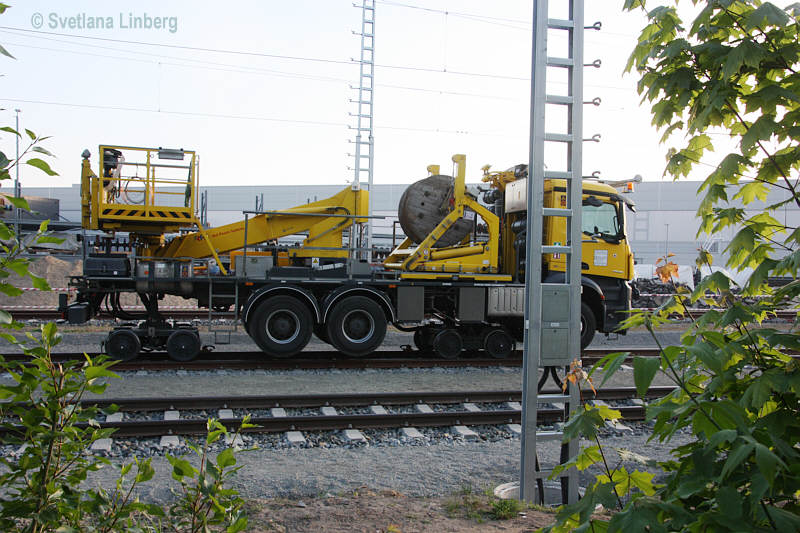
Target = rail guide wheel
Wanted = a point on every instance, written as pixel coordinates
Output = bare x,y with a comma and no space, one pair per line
183,345
123,345
448,344
498,343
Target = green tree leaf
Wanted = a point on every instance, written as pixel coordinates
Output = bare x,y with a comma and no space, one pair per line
644,370
41,165
18,202
226,458
5,52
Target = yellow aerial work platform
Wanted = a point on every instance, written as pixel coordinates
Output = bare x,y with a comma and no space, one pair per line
150,192
147,191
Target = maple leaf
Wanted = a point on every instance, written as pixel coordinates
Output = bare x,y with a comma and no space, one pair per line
667,271
577,375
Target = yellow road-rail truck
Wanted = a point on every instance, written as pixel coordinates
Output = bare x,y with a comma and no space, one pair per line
456,280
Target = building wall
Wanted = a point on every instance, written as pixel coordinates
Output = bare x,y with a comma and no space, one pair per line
665,221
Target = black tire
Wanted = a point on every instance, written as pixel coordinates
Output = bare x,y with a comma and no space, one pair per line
123,345
448,344
281,326
588,325
183,345
498,343
356,326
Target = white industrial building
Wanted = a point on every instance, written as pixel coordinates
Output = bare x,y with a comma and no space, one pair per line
665,220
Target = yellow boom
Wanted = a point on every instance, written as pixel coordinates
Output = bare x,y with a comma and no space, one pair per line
324,221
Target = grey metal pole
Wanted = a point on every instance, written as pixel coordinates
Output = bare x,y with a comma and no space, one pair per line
533,258
16,179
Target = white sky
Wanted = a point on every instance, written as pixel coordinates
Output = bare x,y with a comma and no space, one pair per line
266,121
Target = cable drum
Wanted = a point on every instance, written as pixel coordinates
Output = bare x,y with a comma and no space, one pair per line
423,206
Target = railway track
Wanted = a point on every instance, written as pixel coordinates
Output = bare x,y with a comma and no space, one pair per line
429,409
321,359
328,359
307,360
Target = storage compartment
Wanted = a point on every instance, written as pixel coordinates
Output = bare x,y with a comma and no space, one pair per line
253,266
471,304
506,301
410,304
107,265
78,313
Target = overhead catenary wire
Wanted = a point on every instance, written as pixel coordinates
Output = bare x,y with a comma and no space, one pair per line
519,24
250,53
298,75
249,117
262,72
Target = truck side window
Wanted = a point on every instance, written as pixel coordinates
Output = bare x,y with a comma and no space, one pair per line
600,220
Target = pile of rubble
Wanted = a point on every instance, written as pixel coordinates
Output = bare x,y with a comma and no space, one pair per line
57,273
653,292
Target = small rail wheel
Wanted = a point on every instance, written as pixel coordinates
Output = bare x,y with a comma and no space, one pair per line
588,325
183,345
498,343
448,344
281,326
123,345
356,326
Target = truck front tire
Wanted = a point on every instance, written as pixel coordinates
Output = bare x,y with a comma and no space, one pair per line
588,325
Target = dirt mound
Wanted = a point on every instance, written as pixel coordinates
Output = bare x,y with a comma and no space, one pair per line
57,273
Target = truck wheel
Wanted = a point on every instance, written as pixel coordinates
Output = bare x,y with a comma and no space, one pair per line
123,345
183,345
448,343
588,325
281,326
356,326
498,343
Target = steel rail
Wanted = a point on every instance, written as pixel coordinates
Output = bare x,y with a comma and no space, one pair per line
312,359
197,426
155,428
349,399
329,359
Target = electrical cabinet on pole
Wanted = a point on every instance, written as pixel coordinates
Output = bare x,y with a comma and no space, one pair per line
552,310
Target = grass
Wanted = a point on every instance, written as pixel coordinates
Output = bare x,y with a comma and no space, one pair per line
505,509
481,506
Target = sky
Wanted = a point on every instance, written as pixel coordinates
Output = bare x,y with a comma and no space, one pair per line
268,98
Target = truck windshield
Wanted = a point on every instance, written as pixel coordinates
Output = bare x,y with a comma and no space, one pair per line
601,221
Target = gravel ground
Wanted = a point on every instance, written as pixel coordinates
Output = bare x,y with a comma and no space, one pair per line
438,464
427,470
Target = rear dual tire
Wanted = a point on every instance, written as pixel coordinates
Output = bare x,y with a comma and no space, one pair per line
356,326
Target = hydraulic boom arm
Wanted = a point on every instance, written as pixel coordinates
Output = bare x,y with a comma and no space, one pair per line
324,220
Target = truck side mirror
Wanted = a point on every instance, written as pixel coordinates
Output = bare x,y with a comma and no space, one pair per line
592,201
